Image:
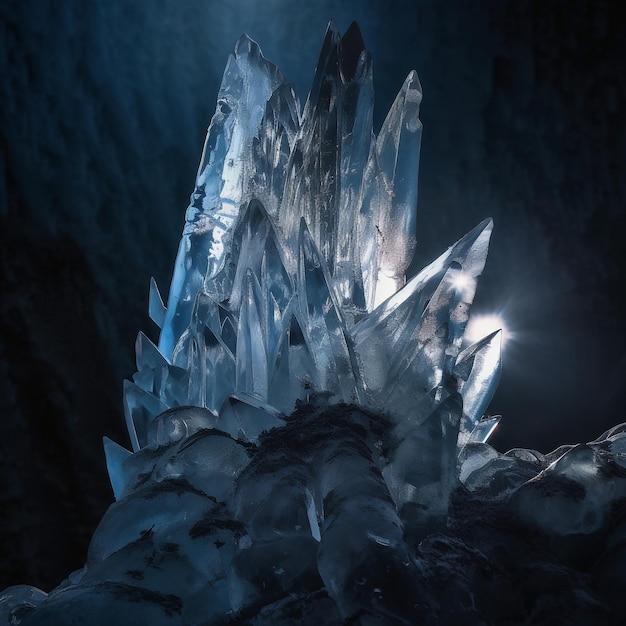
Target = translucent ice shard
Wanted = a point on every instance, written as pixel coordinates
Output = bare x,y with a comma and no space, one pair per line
422,472
323,320
251,367
294,368
222,183
140,408
478,370
299,228
393,215
411,340
115,457
483,429
156,308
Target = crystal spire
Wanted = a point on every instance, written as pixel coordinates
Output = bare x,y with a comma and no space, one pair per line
299,227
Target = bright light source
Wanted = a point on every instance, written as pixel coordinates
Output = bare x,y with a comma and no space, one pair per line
480,326
461,281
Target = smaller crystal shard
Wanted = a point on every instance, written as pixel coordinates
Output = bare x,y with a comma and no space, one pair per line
324,324
140,408
477,369
156,308
422,473
251,360
245,417
484,428
293,373
115,457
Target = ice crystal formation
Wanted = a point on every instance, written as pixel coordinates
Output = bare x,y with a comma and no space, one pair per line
290,275
309,435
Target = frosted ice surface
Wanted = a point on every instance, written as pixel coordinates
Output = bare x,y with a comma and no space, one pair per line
473,457
176,424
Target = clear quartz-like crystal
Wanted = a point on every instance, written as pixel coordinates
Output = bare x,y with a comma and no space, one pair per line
289,288
299,232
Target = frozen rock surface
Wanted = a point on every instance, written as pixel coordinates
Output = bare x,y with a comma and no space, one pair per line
300,528
309,439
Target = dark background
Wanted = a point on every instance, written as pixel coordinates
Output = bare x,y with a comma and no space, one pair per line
103,111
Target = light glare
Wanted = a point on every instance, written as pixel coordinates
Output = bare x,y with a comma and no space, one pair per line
461,281
480,326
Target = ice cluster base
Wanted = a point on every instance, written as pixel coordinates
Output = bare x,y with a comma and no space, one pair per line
309,435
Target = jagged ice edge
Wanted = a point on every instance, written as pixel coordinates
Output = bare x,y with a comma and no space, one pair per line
299,225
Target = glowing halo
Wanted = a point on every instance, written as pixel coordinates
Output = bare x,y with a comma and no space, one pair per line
481,325
462,281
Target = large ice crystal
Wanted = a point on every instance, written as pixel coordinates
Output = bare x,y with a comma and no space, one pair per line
309,435
290,275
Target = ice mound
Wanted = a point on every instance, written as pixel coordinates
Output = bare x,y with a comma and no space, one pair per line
300,528
309,435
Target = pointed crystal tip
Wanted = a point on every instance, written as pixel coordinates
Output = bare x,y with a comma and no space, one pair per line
245,46
352,46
